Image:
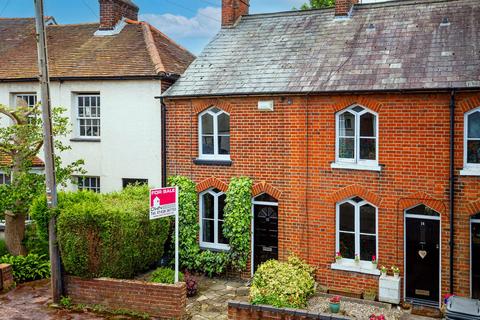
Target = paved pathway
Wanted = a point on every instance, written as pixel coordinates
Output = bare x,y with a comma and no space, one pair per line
213,296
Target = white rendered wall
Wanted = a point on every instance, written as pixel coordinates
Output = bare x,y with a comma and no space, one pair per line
130,145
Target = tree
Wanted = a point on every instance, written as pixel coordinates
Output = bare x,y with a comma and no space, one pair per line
317,4
21,139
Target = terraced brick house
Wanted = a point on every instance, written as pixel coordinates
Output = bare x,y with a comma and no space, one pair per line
107,75
360,126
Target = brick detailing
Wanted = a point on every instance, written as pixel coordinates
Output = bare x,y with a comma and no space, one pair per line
347,101
469,104
205,104
342,7
264,187
112,11
417,198
232,10
6,277
246,311
165,301
473,207
355,190
212,183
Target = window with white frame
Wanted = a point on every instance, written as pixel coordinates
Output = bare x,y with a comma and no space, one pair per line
356,226
357,137
4,178
214,134
472,139
89,184
212,204
88,115
26,99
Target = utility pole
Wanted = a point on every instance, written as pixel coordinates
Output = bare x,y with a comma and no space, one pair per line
51,188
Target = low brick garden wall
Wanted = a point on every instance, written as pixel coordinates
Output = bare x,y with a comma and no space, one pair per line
159,300
6,277
247,311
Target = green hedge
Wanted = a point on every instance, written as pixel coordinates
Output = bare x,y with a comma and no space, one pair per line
3,248
283,284
165,275
28,268
110,235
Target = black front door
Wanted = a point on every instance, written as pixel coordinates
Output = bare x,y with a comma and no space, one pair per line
265,233
422,260
475,263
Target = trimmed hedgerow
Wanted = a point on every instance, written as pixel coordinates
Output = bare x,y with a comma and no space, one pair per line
110,235
283,284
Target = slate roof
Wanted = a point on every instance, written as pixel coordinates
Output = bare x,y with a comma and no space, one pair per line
74,51
385,46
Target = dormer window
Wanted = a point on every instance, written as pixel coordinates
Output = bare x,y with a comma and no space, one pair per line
214,134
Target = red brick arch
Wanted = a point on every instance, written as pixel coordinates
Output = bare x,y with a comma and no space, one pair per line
212,182
469,104
417,198
347,101
203,105
355,190
473,207
264,187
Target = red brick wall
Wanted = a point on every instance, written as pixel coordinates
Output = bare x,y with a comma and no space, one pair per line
6,277
158,300
112,11
290,151
232,10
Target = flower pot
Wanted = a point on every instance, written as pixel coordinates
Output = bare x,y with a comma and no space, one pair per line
373,266
334,307
384,274
339,261
396,275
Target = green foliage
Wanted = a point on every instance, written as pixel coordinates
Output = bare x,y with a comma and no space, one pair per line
34,243
317,4
238,217
66,302
236,227
3,248
110,235
283,284
28,268
165,275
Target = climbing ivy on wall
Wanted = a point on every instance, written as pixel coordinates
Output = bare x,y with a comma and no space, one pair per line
236,227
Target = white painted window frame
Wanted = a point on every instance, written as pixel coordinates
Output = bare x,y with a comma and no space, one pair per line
89,186
215,155
356,228
17,96
469,169
77,113
3,178
211,245
356,163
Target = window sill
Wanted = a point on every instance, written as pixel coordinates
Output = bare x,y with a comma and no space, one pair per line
354,166
470,172
211,162
215,248
361,267
85,140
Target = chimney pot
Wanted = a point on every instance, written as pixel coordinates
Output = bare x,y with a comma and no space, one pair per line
232,10
112,11
344,7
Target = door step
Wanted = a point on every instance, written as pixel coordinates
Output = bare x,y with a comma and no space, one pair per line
431,312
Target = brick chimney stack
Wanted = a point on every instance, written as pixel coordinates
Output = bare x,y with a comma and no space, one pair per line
112,11
343,7
232,10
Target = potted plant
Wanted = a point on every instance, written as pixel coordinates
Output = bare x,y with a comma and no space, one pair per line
357,258
335,304
384,271
370,295
396,272
338,257
374,262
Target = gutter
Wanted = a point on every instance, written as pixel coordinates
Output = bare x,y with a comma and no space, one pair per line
452,185
160,76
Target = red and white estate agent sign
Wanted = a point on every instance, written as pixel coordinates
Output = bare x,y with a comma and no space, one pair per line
164,203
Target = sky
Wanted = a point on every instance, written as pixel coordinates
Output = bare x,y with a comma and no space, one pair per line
191,23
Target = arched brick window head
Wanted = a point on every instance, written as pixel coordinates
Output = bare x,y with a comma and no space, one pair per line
214,134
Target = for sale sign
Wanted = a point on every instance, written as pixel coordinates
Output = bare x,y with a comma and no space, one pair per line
163,202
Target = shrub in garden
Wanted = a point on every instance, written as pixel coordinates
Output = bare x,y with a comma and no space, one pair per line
3,248
33,242
28,268
283,284
110,235
165,275
192,285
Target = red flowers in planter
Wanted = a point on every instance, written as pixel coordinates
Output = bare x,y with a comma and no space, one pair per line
374,317
335,299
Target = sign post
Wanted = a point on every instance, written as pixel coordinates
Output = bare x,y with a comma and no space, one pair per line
164,203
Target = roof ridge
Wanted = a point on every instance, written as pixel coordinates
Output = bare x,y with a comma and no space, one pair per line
151,47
